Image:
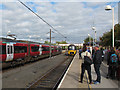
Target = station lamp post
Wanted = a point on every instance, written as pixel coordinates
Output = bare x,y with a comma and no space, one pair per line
89,39
93,28
108,7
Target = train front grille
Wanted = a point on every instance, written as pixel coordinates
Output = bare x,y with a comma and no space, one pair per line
71,52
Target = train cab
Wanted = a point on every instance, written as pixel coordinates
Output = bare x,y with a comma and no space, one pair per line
71,50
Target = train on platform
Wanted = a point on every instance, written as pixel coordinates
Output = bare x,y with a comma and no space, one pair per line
72,50
14,52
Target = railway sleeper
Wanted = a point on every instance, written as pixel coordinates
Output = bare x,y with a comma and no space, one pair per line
50,79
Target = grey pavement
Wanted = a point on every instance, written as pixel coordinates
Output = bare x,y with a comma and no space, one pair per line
105,83
72,77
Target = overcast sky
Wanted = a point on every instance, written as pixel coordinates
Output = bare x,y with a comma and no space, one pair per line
73,19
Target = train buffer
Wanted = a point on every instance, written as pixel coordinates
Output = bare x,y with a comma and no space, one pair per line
72,77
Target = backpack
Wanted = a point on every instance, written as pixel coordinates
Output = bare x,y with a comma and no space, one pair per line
113,58
87,60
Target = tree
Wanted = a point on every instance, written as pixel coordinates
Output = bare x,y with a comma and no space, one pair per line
62,42
57,42
46,42
117,35
88,39
106,39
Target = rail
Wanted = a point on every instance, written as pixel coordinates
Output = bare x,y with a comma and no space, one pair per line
52,78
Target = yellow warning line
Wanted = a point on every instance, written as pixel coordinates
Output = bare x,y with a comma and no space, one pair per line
89,86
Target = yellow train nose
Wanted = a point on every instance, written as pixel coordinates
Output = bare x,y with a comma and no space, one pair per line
71,52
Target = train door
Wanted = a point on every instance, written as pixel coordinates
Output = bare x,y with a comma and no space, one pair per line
40,49
9,51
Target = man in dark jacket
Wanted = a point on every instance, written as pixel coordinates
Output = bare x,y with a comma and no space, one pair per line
97,60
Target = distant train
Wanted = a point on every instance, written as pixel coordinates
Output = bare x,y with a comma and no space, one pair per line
72,49
13,52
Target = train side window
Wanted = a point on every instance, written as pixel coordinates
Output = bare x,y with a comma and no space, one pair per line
35,48
20,49
25,49
56,48
16,49
45,48
52,48
48,48
2,49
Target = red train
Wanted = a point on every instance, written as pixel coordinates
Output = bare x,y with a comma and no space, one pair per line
13,52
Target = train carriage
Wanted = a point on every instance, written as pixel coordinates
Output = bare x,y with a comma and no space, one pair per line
45,49
13,52
34,50
2,51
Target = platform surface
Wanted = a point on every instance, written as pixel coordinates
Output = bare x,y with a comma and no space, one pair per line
72,77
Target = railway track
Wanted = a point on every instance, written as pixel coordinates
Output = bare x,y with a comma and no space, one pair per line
3,70
52,78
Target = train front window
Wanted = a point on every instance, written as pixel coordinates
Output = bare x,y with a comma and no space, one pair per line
71,48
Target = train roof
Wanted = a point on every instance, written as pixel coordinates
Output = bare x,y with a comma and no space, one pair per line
7,40
21,41
71,45
17,41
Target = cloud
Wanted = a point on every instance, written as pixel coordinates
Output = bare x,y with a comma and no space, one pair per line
73,19
61,0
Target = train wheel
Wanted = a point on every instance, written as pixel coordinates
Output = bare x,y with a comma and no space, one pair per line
13,64
22,62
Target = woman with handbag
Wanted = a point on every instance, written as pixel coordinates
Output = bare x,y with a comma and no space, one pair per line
86,65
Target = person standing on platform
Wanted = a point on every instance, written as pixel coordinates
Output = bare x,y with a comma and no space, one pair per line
97,60
102,53
118,53
112,63
89,50
109,63
93,50
80,51
118,69
84,66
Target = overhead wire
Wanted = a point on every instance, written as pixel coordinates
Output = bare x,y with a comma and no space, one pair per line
42,19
